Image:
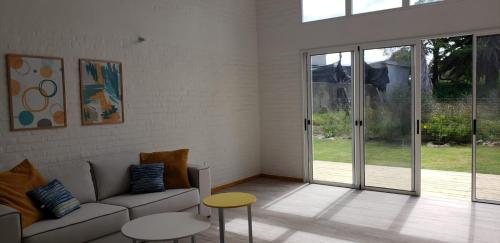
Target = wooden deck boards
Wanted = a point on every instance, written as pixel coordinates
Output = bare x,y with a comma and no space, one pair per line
435,183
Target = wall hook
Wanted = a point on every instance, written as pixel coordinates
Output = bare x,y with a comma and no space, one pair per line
141,39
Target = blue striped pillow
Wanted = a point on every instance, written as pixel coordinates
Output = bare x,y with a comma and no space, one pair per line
55,199
147,178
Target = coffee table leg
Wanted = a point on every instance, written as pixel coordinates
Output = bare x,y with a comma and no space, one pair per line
193,239
176,241
221,225
250,236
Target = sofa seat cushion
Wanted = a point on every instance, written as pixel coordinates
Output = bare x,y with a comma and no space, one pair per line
91,221
172,200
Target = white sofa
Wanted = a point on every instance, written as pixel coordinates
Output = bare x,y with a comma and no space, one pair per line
101,184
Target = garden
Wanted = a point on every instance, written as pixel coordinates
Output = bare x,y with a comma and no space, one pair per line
446,126
446,141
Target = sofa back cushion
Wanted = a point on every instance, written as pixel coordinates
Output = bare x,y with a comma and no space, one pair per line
147,178
176,166
14,184
75,176
112,173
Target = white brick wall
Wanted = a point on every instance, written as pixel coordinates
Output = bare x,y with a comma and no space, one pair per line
197,81
193,83
282,35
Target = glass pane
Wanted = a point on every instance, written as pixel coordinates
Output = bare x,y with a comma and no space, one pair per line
364,6
417,2
332,117
446,117
322,9
488,118
387,117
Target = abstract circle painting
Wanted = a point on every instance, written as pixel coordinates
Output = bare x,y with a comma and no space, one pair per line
36,92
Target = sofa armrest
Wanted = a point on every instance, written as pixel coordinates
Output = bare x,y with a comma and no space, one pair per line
10,225
199,177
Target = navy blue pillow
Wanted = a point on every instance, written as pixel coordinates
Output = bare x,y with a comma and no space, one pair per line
146,178
55,199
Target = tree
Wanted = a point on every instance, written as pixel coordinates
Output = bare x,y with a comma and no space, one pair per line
488,64
452,61
401,55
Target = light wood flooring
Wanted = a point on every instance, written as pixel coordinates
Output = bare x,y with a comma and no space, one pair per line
310,213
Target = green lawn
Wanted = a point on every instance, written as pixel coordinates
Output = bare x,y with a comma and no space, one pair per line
453,158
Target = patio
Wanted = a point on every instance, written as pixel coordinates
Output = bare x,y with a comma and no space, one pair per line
435,183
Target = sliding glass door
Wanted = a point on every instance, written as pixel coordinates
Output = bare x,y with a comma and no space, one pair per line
486,167
363,119
360,113
331,108
387,107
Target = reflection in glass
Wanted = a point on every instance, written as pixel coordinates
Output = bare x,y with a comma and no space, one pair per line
332,117
387,117
488,118
417,2
322,9
365,6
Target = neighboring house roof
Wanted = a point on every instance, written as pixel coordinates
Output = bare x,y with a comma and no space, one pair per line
332,73
376,74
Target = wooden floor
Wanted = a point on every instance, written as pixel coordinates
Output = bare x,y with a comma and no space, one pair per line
435,183
310,213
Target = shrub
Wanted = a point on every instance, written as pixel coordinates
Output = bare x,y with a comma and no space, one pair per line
444,121
445,128
389,121
333,124
488,130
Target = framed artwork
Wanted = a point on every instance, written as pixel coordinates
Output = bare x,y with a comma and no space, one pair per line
101,92
37,98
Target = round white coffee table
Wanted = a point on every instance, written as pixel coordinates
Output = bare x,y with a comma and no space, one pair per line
165,226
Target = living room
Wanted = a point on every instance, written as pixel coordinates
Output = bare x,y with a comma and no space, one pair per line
320,120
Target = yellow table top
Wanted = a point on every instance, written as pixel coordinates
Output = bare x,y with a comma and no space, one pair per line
229,200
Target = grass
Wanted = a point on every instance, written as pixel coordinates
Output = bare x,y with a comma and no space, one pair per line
453,158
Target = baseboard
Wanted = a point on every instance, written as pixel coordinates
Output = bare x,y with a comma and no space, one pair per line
283,178
234,183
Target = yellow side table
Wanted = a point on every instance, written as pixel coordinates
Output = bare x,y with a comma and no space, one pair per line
231,200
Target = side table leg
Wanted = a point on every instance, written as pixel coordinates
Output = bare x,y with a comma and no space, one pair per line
221,225
250,236
193,239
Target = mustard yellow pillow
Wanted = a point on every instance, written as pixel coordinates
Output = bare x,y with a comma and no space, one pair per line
14,185
176,168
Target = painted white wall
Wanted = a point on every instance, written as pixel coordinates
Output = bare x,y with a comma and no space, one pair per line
282,36
193,83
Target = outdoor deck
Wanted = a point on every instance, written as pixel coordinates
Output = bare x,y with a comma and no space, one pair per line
435,183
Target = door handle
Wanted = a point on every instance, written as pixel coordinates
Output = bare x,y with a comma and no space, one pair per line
474,127
418,126
307,122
